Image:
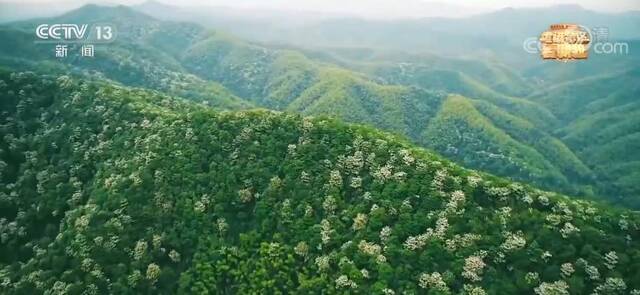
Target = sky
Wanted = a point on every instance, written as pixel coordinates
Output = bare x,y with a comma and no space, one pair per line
381,8
608,5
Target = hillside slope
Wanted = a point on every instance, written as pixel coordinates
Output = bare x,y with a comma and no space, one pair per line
107,189
481,135
602,125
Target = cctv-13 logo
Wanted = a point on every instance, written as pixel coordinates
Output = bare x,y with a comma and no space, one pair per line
74,32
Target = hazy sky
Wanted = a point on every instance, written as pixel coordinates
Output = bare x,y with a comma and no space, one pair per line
384,8
616,5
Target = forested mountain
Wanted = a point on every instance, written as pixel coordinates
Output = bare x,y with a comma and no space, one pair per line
490,139
482,114
109,189
602,126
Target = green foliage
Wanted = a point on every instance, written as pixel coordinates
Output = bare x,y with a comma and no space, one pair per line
481,135
577,136
602,114
108,189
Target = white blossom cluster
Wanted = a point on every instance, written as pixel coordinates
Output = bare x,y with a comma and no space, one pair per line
245,195
140,249
329,205
222,225
353,163
325,231
380,259
344,282
554,219
346,245
611,286
504,213
134,278
513,242
291,150
305,177
60,288
406,157
473,290
461,241
308,211
500,193
301,249
369,248
418,242
433,281
562,208
322,262
473,268
153,272
359,222
156,241
383,174
442,224
591,270
438,180
555,288
335,179
527,199
356,182
456,201
543,200
611,260
474,180
8,229
201,205
174,256
385,234
567,269
532,277
623,223
568,229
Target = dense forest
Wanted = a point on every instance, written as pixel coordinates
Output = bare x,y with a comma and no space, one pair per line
109,189
183,159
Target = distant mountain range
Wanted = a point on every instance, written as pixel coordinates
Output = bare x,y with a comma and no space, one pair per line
497,34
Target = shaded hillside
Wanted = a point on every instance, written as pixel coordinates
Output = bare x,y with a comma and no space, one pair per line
480,135
602,117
